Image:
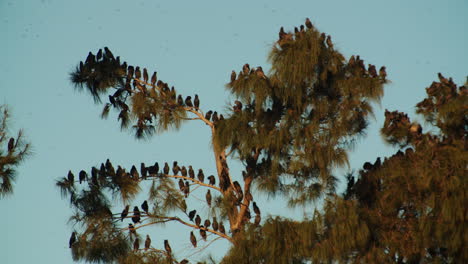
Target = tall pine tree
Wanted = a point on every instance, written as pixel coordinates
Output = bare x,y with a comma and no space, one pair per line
289,127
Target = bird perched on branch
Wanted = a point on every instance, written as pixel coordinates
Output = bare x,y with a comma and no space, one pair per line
188,101
211,180
196,102
198,220
144,206
233,76
167,247
124,213
203,234
136,215
191,172
166,168
192,214
136,244
208,115
308,23
207,223
215,224
147,242
193,239
208,198
153,78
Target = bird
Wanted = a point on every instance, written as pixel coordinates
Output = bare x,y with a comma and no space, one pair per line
256,209
196,102
260,73
136,244
108,53
198,220
156,168
166,168
175,168
215,224
221,228
208,115
200,175
143,170
124,213
193,239
153,78
167,247
180,100
442,79
184,171
70,177
136,215
215,117
188,101
99,54
147,242
233,76
187,189
246,69
191,214
372,71
11,144
134,173
191,173
82,175
383,73
184,261
130,72
329,42
137,72
72,240
281,33
144,206
181,185
208,198
145,75
308,23
212,180
207,223
203,234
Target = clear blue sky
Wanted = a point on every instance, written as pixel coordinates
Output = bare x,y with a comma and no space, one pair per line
193,45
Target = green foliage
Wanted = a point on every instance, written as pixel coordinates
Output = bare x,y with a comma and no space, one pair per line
13,150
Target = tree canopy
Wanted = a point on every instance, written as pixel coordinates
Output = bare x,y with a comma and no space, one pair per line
290,128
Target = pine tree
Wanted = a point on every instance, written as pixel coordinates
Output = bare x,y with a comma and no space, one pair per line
289,127
13,150
408,208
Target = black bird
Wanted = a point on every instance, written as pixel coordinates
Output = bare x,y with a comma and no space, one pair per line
184,171
145,75
82,175
208,198
153,79
131,229
207,223
372,71
72,240
246,69
198,220
137,72
99,54
166,168
147,242
203,234
130,72
215,117
442,79
144,206
11,144
329,42
71,177
212,180
221,117
308,23
383,73
181,185
134,173
191,214
187,189
175,168
196,102
143,171
233,76
167,247
188,101
180,100
201,175
124,213
90,60
193,239
221,228
260,73
136,244
136,215
256,209
208,115
108,53
215,224
191,172
156,168
281,33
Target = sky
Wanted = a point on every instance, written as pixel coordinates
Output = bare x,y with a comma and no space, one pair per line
193,45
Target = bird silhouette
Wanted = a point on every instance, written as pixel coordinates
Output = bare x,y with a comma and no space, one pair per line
181,185
208,115
203,234
145,75
136,244
147,242
124,213
175,168
72,240
233,76
200,175
221,228
246,69
207,223
383,73
193,239
215,117
167,247
137,72
215,224
184,171
208,198
191,172
198,220
196,102
188,101
329,42
136,215
192,214
153,78
212,180
166,168
187,189
308,23
70,177
372,71
131,229
144,206
180,100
